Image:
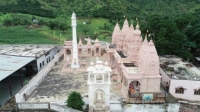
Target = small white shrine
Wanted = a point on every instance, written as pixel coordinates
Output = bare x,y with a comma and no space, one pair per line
99,86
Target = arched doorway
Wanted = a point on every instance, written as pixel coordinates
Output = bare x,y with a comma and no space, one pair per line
134,87
97,50
68,52
99,97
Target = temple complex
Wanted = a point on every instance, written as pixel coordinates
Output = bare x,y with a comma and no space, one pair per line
107,75
136,63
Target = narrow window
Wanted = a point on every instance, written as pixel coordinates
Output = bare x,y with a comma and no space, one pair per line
179,90
197,92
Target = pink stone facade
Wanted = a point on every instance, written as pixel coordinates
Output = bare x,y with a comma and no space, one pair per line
84,50
135,61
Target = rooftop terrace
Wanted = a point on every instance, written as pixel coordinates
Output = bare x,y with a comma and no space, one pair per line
25,50
177,68
112,46
121,54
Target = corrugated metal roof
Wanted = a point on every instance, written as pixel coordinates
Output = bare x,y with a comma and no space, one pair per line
10,64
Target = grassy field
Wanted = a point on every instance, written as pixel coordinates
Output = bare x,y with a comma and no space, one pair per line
43,35
21,35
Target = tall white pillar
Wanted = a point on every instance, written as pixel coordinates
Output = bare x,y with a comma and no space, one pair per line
75,62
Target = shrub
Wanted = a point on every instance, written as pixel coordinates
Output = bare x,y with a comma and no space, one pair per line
75,101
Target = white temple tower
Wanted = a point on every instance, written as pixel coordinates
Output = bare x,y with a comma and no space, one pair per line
99,86
75,62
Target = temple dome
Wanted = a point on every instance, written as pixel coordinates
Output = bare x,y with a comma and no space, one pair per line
137,31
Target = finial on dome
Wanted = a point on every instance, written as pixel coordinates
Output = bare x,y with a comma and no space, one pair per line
97,40
145,38
137,26
131,25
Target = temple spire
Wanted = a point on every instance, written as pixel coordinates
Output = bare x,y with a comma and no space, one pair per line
89,41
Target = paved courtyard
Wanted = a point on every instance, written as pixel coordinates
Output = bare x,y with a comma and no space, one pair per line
57,85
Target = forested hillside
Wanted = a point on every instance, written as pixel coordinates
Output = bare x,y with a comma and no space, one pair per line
173,24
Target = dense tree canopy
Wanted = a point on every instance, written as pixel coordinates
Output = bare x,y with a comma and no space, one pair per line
173,24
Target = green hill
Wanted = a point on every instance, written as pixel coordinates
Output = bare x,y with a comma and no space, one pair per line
173,24
111,9
18,33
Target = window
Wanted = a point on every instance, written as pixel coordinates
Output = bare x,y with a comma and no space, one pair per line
47,60
179,90
92,77
137,83
99,77
40,65
43,62
197,92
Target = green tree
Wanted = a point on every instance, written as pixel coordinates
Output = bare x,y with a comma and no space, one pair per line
75,101
7,22
41,22
52,25
63,27
168,38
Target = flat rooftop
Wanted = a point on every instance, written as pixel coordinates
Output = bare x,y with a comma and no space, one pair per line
121,54
25,50
177,68
112,46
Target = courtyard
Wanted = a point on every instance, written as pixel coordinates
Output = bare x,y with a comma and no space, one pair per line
57,85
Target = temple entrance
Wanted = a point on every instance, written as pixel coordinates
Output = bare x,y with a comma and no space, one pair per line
99,98
134,87
68,52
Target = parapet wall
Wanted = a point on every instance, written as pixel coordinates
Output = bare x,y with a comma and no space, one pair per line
44,106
